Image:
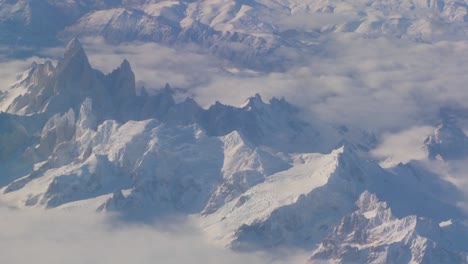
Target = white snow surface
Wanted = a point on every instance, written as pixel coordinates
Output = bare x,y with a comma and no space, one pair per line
308,172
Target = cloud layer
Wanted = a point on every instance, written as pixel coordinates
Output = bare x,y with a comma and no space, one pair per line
377,84
56,237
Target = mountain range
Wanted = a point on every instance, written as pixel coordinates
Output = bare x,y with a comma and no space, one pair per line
264,176
254,177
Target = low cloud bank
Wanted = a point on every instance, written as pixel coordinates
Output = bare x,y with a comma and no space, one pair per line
56,237
403,146
377,84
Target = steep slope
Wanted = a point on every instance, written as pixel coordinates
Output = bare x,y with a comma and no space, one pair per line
45,88
275,124
48,89
308,172
300,206
244,166
373,235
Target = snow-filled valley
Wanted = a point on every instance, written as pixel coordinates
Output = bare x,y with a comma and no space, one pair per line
350,146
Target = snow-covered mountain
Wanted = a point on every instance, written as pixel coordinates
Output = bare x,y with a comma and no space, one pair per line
78,109
255,177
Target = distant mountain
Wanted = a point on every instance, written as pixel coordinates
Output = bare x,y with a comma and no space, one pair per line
37,23
250,33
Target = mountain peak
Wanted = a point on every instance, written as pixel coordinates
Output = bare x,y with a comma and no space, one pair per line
124,71
74,55
74,59
167,89
125,65
74,47
254,101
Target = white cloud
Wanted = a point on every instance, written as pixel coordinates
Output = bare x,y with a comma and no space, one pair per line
402,146
376,84
56,237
